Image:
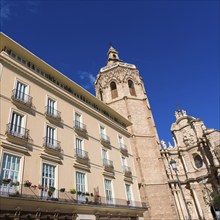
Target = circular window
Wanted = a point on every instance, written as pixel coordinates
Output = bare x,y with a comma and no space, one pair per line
198,161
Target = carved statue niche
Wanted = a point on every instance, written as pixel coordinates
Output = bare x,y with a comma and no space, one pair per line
189,136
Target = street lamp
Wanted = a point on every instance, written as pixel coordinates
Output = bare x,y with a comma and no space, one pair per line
173,165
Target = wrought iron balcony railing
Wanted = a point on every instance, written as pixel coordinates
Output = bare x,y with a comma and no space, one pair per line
127,171
39,192
80,126
123,148
52,144
81,154
105,138
17,131
21,97
53,113
108,164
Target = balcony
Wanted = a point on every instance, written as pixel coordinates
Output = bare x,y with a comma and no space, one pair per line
124,149
17,132
52,113
80,128
51,145
105,140
127,171
108,165
33,200
21,98
82,156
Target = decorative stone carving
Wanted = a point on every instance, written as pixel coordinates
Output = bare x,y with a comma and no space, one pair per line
163,144
180,113
189,137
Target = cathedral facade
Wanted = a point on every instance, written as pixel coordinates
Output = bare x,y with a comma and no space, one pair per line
195,179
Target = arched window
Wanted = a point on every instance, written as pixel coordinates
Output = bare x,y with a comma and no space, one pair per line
131,88
101,94
114,91
198,161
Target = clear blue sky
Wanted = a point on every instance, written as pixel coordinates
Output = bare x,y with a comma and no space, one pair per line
174,44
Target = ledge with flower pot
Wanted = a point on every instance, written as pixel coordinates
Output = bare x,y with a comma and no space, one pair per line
27,183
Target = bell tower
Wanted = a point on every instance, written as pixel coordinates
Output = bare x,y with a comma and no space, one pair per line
120,86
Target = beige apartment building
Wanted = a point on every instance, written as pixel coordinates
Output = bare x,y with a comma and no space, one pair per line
64,154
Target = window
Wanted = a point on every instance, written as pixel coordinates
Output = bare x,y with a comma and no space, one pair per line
198,161
114,91
10,167
79,147
50,106
108,191
21,92
48,178
104,154
131,88
123,147
80,186
77,120
124,162
102,130
128,194
50,137
16,126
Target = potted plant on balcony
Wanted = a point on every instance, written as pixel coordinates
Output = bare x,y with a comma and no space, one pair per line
34,187
73,191
17,183
51,188
40,186
6,181
27,183
79,193
62,190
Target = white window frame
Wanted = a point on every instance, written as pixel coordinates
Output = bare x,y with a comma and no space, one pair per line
81,197
120,140
102,128
12,189
54,112
124,161
81,146
131,202
106,154
110,202
55,132
42,193
27,87
23,120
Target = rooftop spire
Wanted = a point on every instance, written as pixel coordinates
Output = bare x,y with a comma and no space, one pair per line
112,56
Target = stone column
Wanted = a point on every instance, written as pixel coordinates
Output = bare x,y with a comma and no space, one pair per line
193,188
182,205
179,210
